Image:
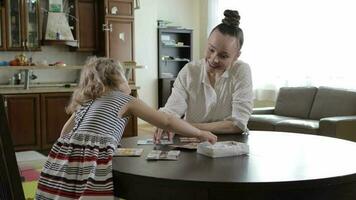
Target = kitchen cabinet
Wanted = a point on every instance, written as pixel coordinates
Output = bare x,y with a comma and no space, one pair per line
23,113
131,127
22,25
2,26
119,41
85,25
53,117
36,120
116,28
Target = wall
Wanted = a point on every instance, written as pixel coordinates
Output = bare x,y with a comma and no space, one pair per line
185,13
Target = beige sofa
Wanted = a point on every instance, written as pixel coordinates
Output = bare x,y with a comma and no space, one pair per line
321,111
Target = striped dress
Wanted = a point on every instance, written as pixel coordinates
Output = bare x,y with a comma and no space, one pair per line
79,165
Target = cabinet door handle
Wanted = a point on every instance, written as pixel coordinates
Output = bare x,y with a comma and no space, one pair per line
107,29
122,36
6,108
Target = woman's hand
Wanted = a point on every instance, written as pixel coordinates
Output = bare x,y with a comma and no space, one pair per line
207,136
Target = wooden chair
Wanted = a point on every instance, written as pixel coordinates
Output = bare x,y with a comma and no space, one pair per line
10,181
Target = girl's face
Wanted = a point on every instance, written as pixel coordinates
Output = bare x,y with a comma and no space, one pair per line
222,51
124,86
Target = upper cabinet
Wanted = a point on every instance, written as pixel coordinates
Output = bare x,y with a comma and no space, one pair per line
116,28
2,26
85,24
119,8
22,25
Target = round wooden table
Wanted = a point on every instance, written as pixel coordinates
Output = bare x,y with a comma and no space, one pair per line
280,165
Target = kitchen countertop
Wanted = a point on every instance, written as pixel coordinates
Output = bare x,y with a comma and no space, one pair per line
43,88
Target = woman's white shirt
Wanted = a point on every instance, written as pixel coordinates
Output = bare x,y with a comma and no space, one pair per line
230,99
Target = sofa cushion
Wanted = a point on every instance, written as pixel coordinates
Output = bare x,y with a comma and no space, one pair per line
331,102
295,101
264,122
298,126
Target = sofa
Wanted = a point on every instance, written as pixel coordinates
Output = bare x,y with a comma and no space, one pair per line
310,110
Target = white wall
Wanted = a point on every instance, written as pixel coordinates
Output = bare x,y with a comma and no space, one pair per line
185,13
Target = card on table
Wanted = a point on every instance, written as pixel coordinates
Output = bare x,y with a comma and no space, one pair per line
189,146
128,152
163,155
189,139
150,141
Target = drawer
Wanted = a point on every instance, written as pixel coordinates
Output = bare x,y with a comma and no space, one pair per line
120,8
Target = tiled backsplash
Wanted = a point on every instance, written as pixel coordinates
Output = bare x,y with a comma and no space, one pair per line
51,54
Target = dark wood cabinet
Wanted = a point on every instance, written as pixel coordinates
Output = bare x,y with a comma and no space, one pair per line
174,51
119,8
116,28
85,25
119,41
53,116
2,26
131,127
22,22
23,111
36,120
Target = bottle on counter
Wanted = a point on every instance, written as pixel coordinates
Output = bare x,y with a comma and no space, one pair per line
18,78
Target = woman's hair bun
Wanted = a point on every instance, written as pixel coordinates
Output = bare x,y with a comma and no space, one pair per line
232,18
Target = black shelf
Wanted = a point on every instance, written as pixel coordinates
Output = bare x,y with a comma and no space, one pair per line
175,49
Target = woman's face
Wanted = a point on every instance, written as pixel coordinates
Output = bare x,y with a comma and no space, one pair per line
222,51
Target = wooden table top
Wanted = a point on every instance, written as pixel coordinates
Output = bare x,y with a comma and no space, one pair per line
275,157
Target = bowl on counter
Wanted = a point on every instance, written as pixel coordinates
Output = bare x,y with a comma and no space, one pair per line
4,63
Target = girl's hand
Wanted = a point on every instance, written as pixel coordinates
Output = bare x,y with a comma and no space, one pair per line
207,136
159,133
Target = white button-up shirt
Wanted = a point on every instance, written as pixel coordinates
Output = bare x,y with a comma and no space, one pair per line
230,99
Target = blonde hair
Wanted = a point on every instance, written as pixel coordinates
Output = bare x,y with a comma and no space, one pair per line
99,76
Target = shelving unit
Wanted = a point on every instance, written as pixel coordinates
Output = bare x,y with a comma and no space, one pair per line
174,51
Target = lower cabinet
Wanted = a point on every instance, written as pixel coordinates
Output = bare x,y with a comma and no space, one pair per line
23,113
131,127
53,116
36,120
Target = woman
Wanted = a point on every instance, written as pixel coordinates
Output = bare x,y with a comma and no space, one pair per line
215,93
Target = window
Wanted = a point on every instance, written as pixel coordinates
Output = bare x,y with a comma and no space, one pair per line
296,43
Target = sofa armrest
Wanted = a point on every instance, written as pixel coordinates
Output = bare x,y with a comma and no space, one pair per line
343,127
263,110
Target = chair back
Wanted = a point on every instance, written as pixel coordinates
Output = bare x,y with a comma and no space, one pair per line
10,181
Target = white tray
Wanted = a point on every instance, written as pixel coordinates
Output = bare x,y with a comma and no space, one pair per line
223,149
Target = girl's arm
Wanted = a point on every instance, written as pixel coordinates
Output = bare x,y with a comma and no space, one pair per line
68,126
167,122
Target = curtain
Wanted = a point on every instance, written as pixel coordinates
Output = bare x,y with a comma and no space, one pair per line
295,43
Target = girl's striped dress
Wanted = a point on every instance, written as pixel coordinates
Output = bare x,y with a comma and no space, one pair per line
79,165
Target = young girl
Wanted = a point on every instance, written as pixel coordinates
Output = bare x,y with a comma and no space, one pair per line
79,165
